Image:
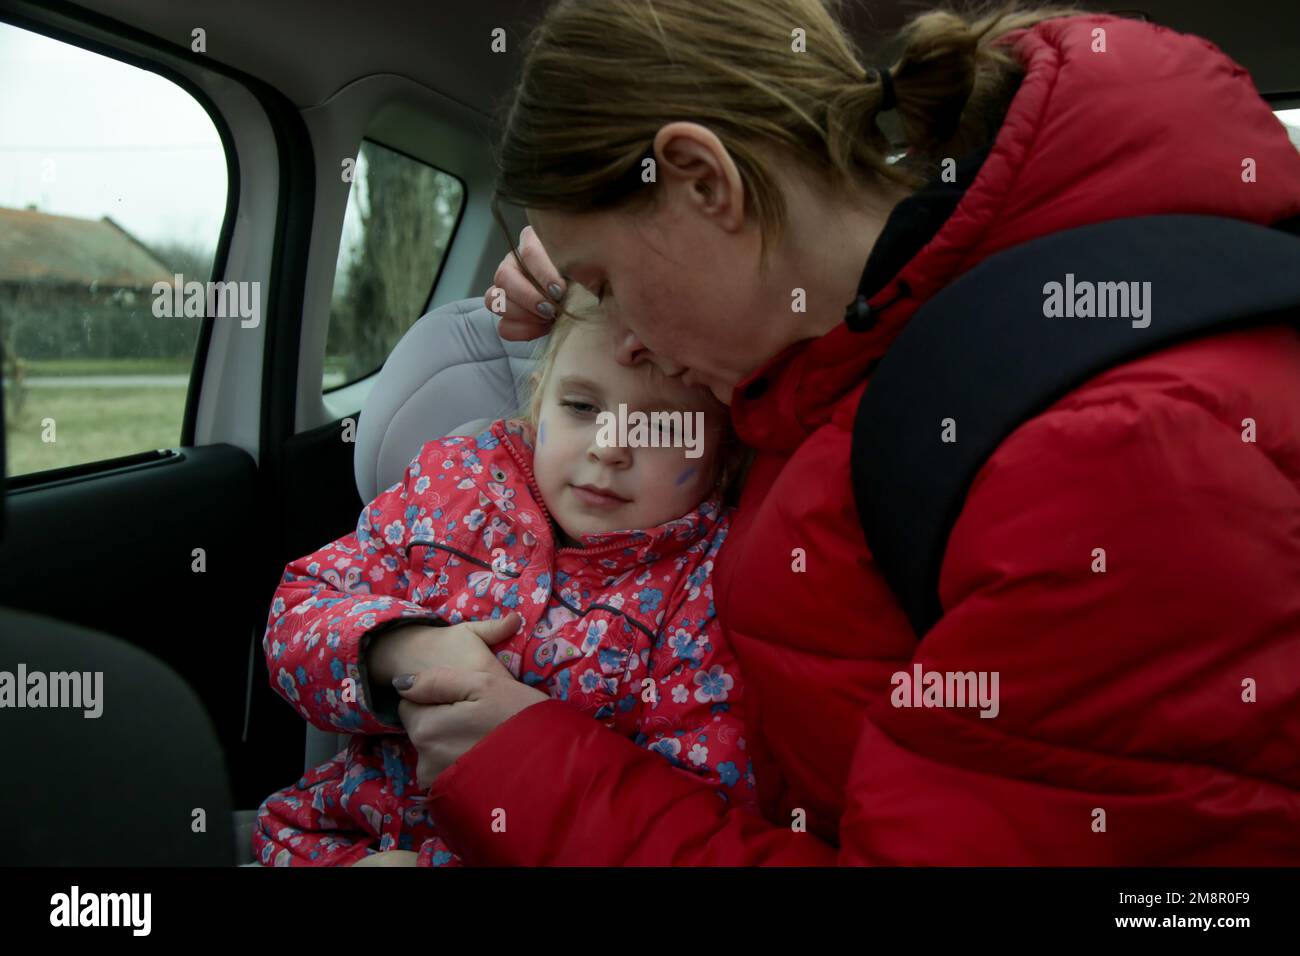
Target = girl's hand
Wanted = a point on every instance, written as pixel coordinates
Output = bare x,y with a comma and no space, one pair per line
524,313
413,648
447,711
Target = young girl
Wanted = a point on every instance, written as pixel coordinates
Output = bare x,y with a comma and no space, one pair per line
605,554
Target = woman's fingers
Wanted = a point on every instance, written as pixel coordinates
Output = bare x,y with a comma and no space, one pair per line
539,264
441,734
524,313
442,685
437,733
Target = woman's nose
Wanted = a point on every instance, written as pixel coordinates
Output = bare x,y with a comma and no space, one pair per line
629,350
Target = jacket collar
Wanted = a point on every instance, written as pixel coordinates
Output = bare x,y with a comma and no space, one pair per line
774,407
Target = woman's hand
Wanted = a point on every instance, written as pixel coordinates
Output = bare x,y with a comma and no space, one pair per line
524,314
447,711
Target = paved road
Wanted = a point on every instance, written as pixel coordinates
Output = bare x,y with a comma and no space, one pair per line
107,381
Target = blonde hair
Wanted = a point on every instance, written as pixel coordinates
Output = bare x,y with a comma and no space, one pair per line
601,77
578,306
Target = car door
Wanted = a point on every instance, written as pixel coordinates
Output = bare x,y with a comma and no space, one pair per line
251,316
141,417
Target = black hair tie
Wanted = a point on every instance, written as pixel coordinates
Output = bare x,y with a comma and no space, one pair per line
888,99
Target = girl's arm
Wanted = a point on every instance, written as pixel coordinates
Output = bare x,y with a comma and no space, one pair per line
331,602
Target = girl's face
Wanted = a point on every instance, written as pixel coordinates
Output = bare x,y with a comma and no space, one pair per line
591,486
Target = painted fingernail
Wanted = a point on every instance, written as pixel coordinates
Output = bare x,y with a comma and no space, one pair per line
547,310
404,682
555,290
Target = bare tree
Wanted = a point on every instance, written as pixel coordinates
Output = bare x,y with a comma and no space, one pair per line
407,212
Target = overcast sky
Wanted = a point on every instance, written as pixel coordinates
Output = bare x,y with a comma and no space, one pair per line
84,135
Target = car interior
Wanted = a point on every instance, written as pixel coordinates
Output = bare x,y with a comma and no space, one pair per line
162,554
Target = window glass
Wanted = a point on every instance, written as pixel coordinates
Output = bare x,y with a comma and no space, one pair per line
400,219
114,184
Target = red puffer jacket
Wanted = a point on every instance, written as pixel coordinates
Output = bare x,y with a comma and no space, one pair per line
1147,715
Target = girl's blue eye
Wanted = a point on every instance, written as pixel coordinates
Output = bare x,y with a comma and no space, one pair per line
581,408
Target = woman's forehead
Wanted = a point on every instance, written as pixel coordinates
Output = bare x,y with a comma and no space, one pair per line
571,244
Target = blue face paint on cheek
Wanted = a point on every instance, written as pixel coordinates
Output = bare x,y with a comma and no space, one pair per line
541,433
685,476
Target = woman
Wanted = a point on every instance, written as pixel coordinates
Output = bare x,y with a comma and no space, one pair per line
706,167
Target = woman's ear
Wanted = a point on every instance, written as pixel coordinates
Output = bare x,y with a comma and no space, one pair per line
693,162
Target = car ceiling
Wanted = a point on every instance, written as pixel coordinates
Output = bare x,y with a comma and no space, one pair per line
309,49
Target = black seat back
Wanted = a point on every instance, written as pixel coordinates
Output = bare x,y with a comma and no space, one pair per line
124,788
983,353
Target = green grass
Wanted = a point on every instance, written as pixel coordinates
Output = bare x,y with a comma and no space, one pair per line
44,368
90,424
47,368
93,424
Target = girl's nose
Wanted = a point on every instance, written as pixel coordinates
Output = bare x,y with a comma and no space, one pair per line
611,456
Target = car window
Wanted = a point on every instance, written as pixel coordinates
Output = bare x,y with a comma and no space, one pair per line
115,184
400,219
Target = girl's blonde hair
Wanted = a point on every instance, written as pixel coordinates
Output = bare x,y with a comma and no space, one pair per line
601,77
579,305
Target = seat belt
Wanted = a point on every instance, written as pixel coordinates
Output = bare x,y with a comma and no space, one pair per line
986,354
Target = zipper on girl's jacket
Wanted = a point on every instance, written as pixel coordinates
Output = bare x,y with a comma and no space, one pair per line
541,503
555,590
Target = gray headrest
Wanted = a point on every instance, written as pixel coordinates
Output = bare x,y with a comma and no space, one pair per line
450,368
